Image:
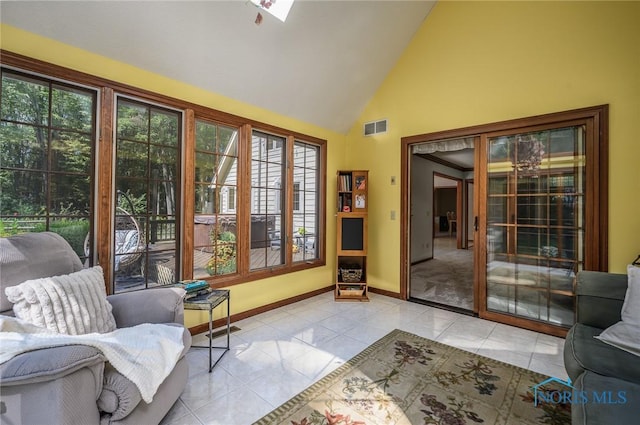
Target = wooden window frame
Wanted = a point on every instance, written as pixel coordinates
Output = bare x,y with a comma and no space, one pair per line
190,184
51,83
103,205
148,180
281,170
303,211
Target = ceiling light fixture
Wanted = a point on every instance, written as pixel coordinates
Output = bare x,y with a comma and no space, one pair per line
279,9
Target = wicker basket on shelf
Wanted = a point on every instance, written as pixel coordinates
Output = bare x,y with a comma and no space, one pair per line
351,275
351,292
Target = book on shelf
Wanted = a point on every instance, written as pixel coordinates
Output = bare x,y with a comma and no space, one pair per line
345,183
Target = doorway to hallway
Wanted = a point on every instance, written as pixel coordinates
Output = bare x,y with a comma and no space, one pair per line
442,265
445,279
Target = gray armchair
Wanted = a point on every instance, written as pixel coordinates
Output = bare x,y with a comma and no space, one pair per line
593,366
74,384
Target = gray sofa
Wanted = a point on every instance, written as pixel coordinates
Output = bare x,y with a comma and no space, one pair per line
597,368
74,384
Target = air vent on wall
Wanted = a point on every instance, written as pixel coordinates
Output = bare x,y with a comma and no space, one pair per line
375,127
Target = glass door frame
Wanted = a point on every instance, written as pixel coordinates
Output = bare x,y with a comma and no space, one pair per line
595,209
595,120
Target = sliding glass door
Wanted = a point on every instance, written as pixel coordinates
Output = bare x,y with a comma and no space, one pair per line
541,216
535,209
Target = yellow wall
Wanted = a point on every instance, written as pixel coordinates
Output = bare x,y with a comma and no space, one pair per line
481,62
246,296
470,63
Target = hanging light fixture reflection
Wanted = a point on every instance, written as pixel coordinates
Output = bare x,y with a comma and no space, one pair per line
527,155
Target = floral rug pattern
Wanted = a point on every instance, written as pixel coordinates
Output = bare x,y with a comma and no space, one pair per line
407,379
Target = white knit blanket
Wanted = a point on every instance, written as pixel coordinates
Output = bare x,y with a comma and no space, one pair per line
145,354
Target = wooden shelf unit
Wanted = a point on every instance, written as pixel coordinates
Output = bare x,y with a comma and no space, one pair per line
351,240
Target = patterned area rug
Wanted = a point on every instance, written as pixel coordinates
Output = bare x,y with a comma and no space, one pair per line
407,379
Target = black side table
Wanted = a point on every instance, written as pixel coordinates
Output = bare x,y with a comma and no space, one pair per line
209,301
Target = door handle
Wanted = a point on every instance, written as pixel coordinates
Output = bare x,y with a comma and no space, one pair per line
475,223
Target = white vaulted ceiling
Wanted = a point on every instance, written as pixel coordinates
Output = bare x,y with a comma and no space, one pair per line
321,66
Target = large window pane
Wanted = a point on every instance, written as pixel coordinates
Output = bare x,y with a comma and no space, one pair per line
46,168
146,232
267,195
306,158
215,220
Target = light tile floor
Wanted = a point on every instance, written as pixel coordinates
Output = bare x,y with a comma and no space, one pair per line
279,353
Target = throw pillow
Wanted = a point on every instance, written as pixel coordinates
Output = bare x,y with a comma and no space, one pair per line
631,306
625,334
72,304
